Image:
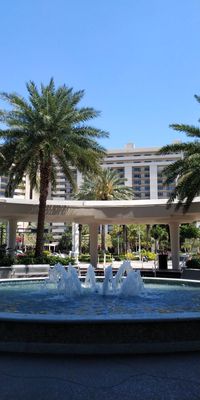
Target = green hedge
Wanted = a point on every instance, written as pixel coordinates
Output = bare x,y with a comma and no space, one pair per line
52,260
119,257
84,258
30,260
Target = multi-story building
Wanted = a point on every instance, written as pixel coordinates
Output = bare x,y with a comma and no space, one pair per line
142,169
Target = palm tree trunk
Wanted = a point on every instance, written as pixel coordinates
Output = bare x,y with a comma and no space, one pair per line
44,186
124,244
80,227
148,227
103,238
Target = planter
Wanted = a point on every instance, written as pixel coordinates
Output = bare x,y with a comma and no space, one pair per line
190,273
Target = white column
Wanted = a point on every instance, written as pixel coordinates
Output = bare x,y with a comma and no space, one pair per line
12,228
174,239
35,193
153,181
79,179
93,228
128,175
106,229
75,240
27,187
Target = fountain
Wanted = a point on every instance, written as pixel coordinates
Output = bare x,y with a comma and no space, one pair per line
68,283
121,314
90,279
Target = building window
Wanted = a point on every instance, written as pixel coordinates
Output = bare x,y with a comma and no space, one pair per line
136,169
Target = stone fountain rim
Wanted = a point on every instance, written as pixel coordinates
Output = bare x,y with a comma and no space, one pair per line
118,336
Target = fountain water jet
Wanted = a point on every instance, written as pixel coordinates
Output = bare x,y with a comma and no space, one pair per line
90,279
108,286
124,268
132,285
68,283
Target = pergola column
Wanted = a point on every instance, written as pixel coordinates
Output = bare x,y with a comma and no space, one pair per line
153,181
12,229
94,229
75,240
175,243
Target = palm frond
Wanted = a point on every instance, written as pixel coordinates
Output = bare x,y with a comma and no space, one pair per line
180,148
190,130
197,98
107,185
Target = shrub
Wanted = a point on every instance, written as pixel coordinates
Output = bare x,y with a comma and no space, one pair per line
6,261
84,258
47,253
131,256
151,256
108,257
193,263
52,260
119,257
26,260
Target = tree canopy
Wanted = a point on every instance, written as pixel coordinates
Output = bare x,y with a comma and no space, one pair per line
106,185
45,131
185,171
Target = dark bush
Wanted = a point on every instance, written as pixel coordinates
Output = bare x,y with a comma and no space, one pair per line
193,263
52,260
26,260
6,261
84,258
119,257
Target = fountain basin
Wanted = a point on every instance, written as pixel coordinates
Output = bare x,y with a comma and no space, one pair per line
100,337
154,331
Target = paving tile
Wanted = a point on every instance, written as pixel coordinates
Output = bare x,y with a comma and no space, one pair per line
150,377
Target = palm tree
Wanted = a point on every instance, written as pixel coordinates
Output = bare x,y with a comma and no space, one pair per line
47,129
160,235
185,171
107,185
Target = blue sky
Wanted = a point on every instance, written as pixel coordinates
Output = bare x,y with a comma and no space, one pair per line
138,61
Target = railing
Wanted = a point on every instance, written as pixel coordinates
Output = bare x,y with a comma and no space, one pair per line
155,266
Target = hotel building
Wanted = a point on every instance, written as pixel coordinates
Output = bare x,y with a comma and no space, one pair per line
142,169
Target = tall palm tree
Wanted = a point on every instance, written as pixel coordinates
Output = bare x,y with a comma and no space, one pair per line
106,185
160,235
185,171
47,129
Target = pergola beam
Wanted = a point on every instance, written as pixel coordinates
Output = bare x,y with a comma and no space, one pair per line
95,213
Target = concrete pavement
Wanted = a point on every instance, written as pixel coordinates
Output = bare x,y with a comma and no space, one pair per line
151,377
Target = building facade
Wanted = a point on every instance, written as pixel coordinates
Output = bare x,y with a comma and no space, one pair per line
142,169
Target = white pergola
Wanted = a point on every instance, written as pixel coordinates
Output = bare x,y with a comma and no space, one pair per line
95,213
